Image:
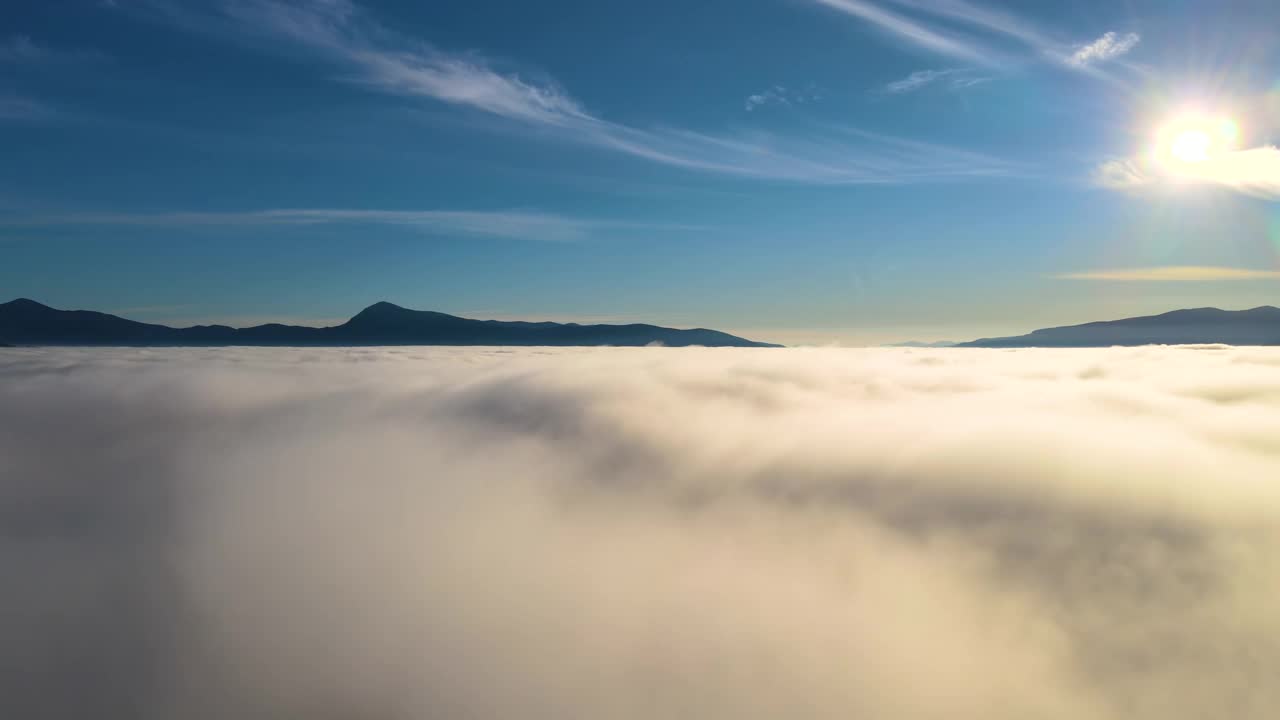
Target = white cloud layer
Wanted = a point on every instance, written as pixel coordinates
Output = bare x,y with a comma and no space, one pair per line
414,533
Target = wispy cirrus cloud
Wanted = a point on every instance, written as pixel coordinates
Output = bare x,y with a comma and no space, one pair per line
915,31
930,25
916,80
371,55
780,95
19,53
1174,273
19,108
1119,174
1108,46
967,82
953,78
516,224
21,49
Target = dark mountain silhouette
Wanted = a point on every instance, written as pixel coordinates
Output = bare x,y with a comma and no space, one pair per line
26,322
1259,326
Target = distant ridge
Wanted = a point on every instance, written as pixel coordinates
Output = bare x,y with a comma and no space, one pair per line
27,322
922,344
1257,326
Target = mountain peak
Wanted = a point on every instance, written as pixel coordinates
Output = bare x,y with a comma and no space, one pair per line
385,315
382,307
380,311
25,303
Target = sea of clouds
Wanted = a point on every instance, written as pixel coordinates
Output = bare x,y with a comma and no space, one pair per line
606,534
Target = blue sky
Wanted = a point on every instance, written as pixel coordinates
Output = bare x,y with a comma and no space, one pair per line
852,171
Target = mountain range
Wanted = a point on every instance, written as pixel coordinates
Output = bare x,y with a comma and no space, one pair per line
27,322
1258,326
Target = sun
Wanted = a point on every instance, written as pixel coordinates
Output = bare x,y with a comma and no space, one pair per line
1191,146
1192,138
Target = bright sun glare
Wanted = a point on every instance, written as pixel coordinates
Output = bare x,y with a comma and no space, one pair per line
1195,138
1191,146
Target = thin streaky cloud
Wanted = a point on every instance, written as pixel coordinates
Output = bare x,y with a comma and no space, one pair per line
1119,174
953,78
19,48
22,50
916,80
1175,273
945,155
18,108
460,82
987,19
375,57
936,37
381,59
914,31
504,224
967,82
826,159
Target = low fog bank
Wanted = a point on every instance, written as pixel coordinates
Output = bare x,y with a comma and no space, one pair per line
637,534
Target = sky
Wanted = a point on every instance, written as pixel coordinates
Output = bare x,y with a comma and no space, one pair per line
802,171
